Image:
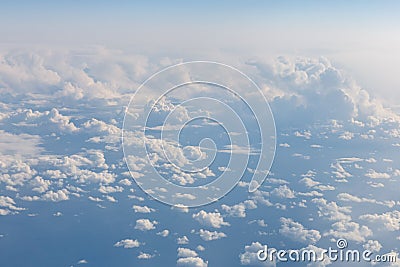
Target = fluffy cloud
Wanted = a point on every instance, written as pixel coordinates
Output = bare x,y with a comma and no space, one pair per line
307,90
37,122
145,224
211,219
182,240
163,233
145,256
373,245
208,235
339,171
9,204
331,210
390,220
185,252
142,209
249,256
348,197
318,251
56,196
297,232
283,191
349,230
238,210
127,243
377,175
191,262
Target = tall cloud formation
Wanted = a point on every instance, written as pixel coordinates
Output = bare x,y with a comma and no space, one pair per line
310,90
300,90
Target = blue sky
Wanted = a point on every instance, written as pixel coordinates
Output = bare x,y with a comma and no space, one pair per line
71,190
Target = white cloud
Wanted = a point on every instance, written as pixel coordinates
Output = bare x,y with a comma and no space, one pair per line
83,261
8,203
21,144
125,182
182,240
211,219
110,189
347,135
249,256
339,171
283,191
297,232
145,224
312,89
238,210
208,235
318,251
331,210
58,214
200,248
377,175
95,199
142,209
348,197
305,134
192,262
185,252
163,233
307,181
127,243
350,231
56,196
145,256
260,223
373,245
390,220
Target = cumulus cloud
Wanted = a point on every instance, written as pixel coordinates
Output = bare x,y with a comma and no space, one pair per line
185,252
145,224
127,243
145,256
308,90
8,206
350,231
163,233
331,211
297,232
373,245
182,240
211,219
37,122
238,210
142,209
56,196
283,191
209,236
249,256
390,220
318,251
191,262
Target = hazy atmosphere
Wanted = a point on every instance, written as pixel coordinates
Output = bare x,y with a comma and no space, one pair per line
175,133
